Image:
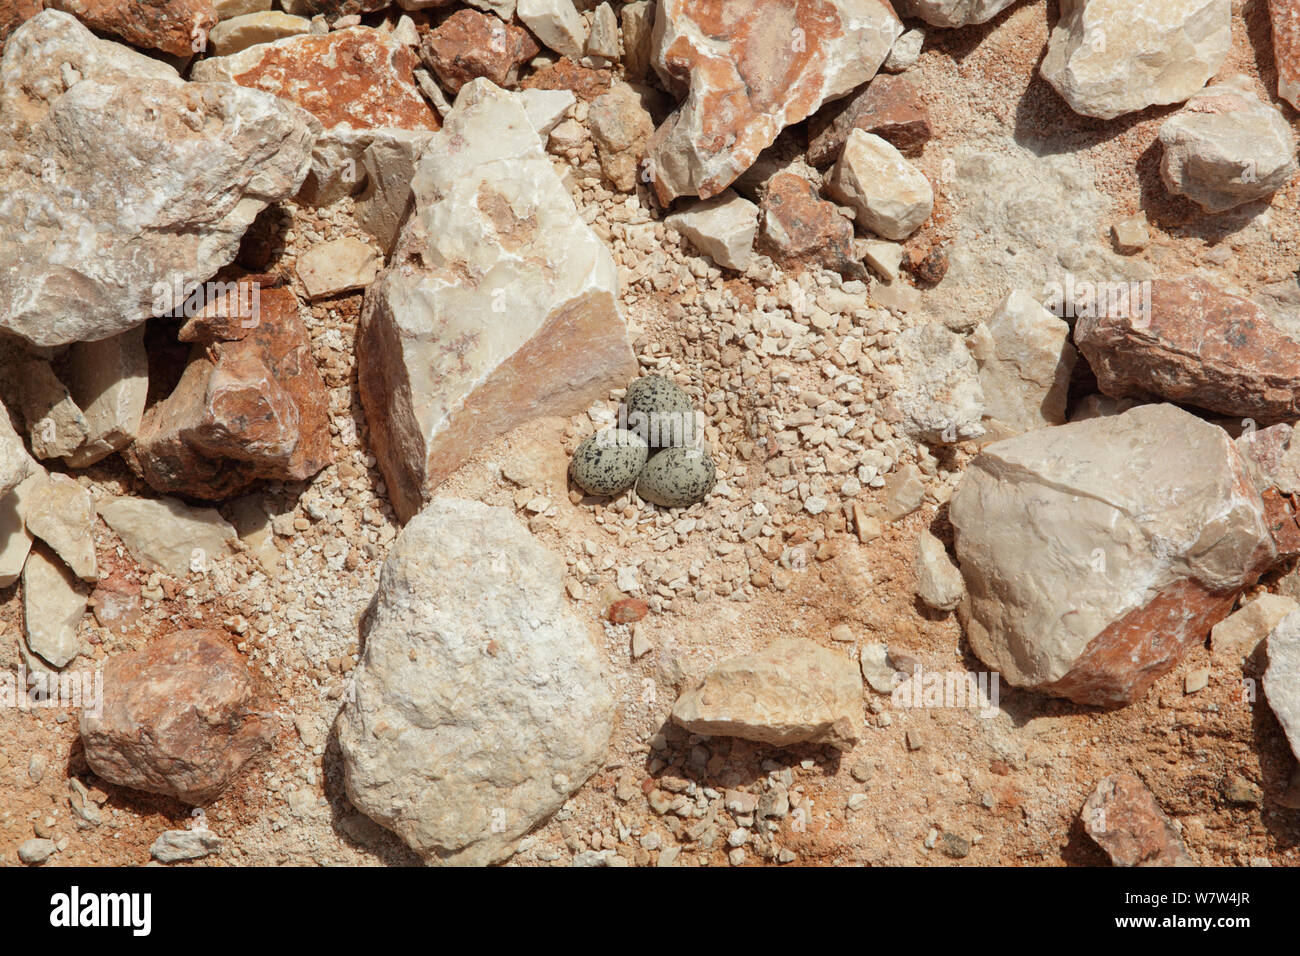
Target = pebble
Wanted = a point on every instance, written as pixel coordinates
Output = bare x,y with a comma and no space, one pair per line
36,851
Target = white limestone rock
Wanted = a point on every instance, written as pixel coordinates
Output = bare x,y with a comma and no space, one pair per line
723,228
169,535
892,197
1282,679
937,395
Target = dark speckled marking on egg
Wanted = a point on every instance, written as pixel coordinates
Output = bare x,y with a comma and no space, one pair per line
660,412
608,462
677,477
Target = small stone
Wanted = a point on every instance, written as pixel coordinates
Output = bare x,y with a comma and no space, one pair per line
469,44
903,493
884,257
879,674
263,26
889,107
60,512
1237,635
938,581
1239,791
603,41
621,126
798,226
957,847
892,197
1131,234
35,852
1196,680
1124,819
937,392
53,606
168,534
905,52
337,266
175,846
556,23
723,228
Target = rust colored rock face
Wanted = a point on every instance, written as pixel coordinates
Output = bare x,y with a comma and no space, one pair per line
469,44
584,83
178,27
1124,819
889,106
800,226
359,78
180,718
1197,346
748,69
244,410
1285,15
627,611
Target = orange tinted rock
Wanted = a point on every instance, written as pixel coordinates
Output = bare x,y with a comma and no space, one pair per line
889,106
180,718
244,410
585,84
627,610
178,27
1285,15
1122,816
470,44
800,226
748,69
1197,346
14,14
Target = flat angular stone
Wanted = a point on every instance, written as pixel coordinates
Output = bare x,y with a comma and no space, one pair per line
246,410
747,70
168,535
1096,553
1122,816
15,463
175,846
55,425
53,606
109,382
556,23
1285,16
177,27
481,702
1196,345
1111,57
180,717
265,26
15,539
951,13
469,44
1238,634
621,127
167,176
891,196
499,305
938,581
792,692
1282,679
801,227
1225,148
723,228
337,266
359,83
889,107
61,513
1025,362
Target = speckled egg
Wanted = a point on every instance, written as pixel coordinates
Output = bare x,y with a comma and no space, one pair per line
660,412
677,477
608,462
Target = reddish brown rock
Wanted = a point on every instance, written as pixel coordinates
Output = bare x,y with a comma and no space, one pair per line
888,106
1195,345
1280,513
627,610
585,84
1285,15
800,226
180,718
244,410
469,44
749,68
1124,819
14,14
178,27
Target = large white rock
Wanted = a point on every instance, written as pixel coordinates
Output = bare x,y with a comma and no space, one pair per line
936,394
1025,361
1111,57
481,701
499,305
1282,679
126,183
951,13
1096,553
723,228
1225,147
891,196
745,70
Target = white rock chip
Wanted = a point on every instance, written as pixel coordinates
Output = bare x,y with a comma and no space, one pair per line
15,463
499,306
555,23
1111,57
546,108
1096,553
1282,679
1025,360
937,395
338,265
905,51
723,228
61,513
175,846
482,701
603,41
1226,147
168,534
53,605
951,13
891,196
938,582
1238,634
264,26
166,178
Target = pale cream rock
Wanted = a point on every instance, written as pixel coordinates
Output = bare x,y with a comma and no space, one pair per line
386,200
891,197
905,51
547,108
937,396
938,581
620,126
884,257
873,661
1131,234
1238,634
723,228
15,463
169,535
1025,360
555,23
206,158
265,26
482,701
53,605
903,493
637,20
1111,57
792,692
229,9
15,539
61,513
55,425
338,265
499,306
951,13
1096,553
603,41
109,381
1282,679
